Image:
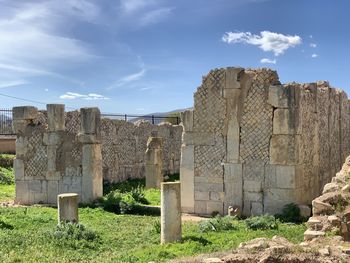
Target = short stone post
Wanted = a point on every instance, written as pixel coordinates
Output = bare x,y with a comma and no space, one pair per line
170,214
90,137
67,208
154,162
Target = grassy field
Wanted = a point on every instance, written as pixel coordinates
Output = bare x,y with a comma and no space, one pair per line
7,192
30,234
26,236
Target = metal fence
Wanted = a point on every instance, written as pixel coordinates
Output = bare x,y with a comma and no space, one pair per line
6,119
154,119
6,122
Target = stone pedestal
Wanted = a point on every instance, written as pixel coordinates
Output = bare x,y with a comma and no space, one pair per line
170,212
67,208
154,162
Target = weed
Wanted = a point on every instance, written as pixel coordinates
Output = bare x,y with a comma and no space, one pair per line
217,224
291,213
263,222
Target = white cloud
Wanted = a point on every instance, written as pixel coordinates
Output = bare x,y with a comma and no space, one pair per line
128,79
90,96
267,41
32,37
155,16
12,83
313,45
130,6
314,55
268,61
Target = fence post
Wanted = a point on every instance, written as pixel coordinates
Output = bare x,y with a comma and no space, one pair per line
152,119
126,117
177,120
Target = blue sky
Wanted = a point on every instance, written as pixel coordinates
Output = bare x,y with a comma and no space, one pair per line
143,56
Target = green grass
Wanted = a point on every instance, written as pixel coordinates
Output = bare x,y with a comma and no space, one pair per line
7,192
152,196
25,237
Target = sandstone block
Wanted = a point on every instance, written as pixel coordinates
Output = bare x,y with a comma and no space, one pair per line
92,172
233,172
90,121
55,117
321,208
22,193
201,196
170,212
18,166
330,187
284,122
309,234
233,77
284,149
187,178
252,186
278,96
285,177
67,208
257,208
187,120
24,113
200,207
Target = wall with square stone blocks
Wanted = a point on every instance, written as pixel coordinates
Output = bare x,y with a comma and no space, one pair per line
253,142
59,152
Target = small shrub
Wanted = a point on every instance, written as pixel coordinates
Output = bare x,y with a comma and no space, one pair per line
138,194
263,222
127,204
6,160
6,176
217,224
74,235
111,202
291,214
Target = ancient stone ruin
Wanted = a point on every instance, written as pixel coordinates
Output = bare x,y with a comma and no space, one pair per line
72,152
254,143
331,210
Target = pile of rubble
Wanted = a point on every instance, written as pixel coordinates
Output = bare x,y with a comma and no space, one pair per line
280,250
331,210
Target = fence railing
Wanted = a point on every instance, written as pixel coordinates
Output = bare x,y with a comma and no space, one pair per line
6,122
6,119
154,119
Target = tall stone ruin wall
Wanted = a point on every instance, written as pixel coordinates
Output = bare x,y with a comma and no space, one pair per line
255,143
49,159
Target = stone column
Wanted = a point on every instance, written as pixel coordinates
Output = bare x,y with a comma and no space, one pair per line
154,162
90,137
170,212
67,208
187,162
22,117
53,138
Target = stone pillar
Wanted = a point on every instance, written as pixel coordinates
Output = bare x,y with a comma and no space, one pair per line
53,139
22,117
170,212
154,162
67,207
187,163
90,137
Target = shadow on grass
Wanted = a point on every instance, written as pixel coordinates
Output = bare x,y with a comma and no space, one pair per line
200,240
4,225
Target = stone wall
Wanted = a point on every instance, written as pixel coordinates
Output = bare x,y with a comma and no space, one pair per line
51,158
124,145
60,152
255,143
